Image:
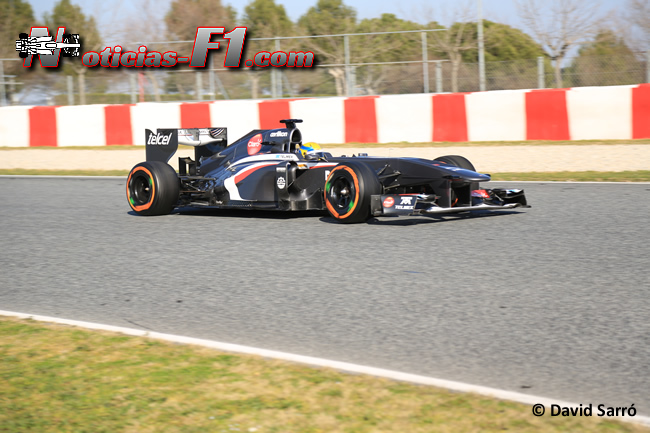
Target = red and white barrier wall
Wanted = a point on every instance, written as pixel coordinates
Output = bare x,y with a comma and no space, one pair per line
616,112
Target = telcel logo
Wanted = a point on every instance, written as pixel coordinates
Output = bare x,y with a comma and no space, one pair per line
159,139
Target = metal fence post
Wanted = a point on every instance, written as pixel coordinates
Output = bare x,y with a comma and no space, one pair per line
278,73
3,92
425,64
540,73
199,86
222,89
134,88
438,77
213,90
348,78
70,90
481,49
12,90
288,85
274,87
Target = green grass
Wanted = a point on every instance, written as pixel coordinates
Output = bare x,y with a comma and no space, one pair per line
490,143
98,148
578,176
63,379
38,172
575,176
395,144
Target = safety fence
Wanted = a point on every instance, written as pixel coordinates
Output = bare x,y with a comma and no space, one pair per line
406,62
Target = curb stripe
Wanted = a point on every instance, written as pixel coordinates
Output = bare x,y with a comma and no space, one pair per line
641,111
320,362
546,115
42,126
449,117
195,115
607,112
271,112
118,125
360,119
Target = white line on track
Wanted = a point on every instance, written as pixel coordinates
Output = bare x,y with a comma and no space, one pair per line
320,362
53,176
50,176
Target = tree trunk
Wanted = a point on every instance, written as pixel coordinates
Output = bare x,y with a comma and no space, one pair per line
558,72
81,81
372,83
339,80
455,66
255,84
154,84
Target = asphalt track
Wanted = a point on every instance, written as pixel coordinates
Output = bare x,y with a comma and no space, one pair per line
550,301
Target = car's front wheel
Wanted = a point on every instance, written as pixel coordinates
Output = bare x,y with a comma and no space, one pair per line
152,188
347,192
458,161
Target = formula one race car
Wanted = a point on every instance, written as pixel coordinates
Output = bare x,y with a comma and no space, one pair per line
273,169
45,45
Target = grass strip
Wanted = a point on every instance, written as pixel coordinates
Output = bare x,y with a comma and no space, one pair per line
58,378
488,143
39,172
386,145
573,176
577,176
66,148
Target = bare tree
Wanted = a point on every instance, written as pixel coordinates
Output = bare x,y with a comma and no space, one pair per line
456,39
147,26
559,25
265,19
329,17
637,13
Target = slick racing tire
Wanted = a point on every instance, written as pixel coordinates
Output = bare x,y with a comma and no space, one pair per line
152,188
458,161
347,192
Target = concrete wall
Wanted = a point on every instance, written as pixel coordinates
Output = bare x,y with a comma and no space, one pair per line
616,112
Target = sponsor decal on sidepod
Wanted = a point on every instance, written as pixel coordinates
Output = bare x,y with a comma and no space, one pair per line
255,144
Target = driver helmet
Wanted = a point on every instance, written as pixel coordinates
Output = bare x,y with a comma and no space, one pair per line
309,149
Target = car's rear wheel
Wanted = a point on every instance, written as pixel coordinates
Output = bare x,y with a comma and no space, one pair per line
458,161
152,188
347,192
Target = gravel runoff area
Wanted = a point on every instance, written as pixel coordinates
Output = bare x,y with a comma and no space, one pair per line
496,159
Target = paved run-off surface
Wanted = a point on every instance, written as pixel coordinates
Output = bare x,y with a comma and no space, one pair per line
487,159
550,301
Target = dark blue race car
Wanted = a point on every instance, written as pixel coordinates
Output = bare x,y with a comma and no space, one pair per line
273,169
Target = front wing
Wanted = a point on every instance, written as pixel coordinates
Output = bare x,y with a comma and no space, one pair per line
421,204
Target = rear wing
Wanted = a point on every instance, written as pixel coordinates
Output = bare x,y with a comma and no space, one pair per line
162,144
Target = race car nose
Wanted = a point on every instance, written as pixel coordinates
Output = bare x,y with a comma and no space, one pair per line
465,174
